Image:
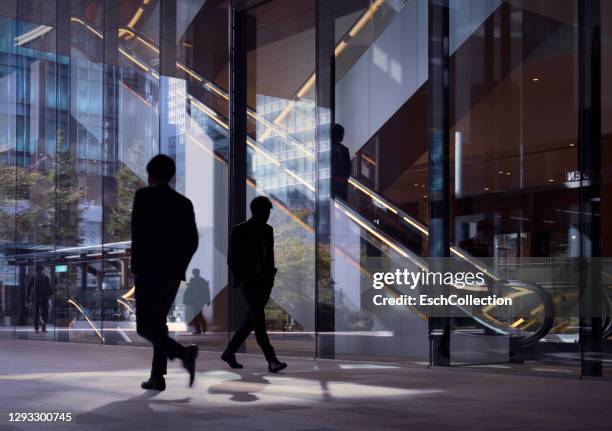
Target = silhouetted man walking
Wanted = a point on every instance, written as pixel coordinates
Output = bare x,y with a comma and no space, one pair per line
164,238
251,260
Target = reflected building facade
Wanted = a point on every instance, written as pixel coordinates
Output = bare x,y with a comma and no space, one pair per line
501,166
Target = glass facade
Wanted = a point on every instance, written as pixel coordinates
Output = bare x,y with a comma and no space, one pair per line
477,131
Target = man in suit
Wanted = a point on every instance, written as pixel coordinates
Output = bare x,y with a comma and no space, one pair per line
39,291
164,238
340,163
251,260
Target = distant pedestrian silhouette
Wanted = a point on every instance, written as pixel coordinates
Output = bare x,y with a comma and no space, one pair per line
340,163
164,238
196,296
39,291
251,260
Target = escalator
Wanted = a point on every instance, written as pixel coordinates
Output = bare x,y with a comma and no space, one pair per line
399,234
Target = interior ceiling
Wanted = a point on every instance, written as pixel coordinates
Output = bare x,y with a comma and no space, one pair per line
541,114
284,54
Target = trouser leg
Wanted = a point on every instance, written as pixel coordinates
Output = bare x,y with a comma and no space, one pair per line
153,302
240,335
201,322
44,313
36,316
261,334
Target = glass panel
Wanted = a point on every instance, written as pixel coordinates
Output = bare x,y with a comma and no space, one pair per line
514,135
381,214
281,162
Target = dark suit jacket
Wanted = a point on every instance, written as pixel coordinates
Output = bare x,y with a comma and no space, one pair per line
39,288
341,162
164,233
247,258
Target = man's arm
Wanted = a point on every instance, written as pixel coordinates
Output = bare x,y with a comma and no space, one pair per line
137,227
192,232
272,250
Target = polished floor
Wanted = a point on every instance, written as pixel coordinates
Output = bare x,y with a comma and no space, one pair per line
98,385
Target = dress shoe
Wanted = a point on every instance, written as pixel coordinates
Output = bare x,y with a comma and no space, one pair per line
154,384
189,363
275,366
230,358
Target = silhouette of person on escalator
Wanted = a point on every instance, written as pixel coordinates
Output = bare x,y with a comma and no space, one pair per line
340,163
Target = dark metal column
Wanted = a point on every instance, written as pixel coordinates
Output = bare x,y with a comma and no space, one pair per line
438,137
238,135
325,88
167,38
589,164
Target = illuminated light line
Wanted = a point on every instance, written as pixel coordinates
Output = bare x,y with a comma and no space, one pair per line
142,99
484,270
136,17
33,34
416,225
216,90
78,307
134,60
538,309
144,42
189,72
208,111
369,14
125,304
129,294
372,196
517,323
368,159
123,31
340,47
155,75
374,233
383,203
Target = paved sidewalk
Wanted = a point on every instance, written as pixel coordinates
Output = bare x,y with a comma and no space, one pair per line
99,385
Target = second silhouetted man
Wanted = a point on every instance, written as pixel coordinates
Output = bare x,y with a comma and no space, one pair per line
164,238
251,260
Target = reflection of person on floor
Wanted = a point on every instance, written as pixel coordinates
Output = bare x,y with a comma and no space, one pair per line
251,260
39,291
196,296
481,245
340,163
164,238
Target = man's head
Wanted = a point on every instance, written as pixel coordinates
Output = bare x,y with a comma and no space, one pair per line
195,272
161,170
39,269
260,209
337,133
